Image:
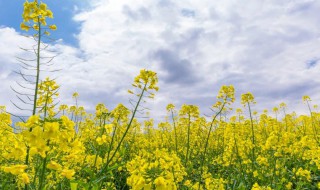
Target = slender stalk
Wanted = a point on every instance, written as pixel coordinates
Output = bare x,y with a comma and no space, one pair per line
253,138
239,160
35,91
38,71
112,140
175,131
312,123
188,140
35,175
207,142
42,177
285,118
125,133
97,152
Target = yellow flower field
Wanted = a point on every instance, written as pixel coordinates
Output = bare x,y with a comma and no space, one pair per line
64,147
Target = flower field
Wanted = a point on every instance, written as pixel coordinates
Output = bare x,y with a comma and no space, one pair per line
112,150
64,147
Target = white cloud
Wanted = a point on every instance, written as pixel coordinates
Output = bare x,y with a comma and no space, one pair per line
259,46
10,43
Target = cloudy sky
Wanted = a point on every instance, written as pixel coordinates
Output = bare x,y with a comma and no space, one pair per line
270,48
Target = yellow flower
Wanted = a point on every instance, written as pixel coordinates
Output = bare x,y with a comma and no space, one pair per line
130,92
187,183
102,139
15,169
170,107
25,27
226,93
69,124
43,6
256,186
51,130
247,98
108,128
191,110
75,94
49,13
275,110
36,27
289,185
148,79
263,161
306,98
36,13
283,105
54,166
25,178
160,181
68,173
304,173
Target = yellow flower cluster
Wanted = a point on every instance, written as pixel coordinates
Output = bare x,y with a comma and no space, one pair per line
34,16
158,170
47,92
247,98
19,171
226,93
148,79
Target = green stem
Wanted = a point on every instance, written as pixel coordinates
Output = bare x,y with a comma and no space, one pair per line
239,159
126,131
175,132
112,140
35,91
285,119
312,123
42,180
188,140
38,71
207,142
99,151
253,138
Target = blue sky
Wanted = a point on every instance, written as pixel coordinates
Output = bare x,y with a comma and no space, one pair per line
11,11
270,48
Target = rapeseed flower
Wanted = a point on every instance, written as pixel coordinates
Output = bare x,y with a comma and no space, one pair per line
54,166
68,173
15,169
25,178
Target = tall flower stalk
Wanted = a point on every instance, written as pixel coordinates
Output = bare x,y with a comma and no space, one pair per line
34,18
225,97
246,99
170,109
146,82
